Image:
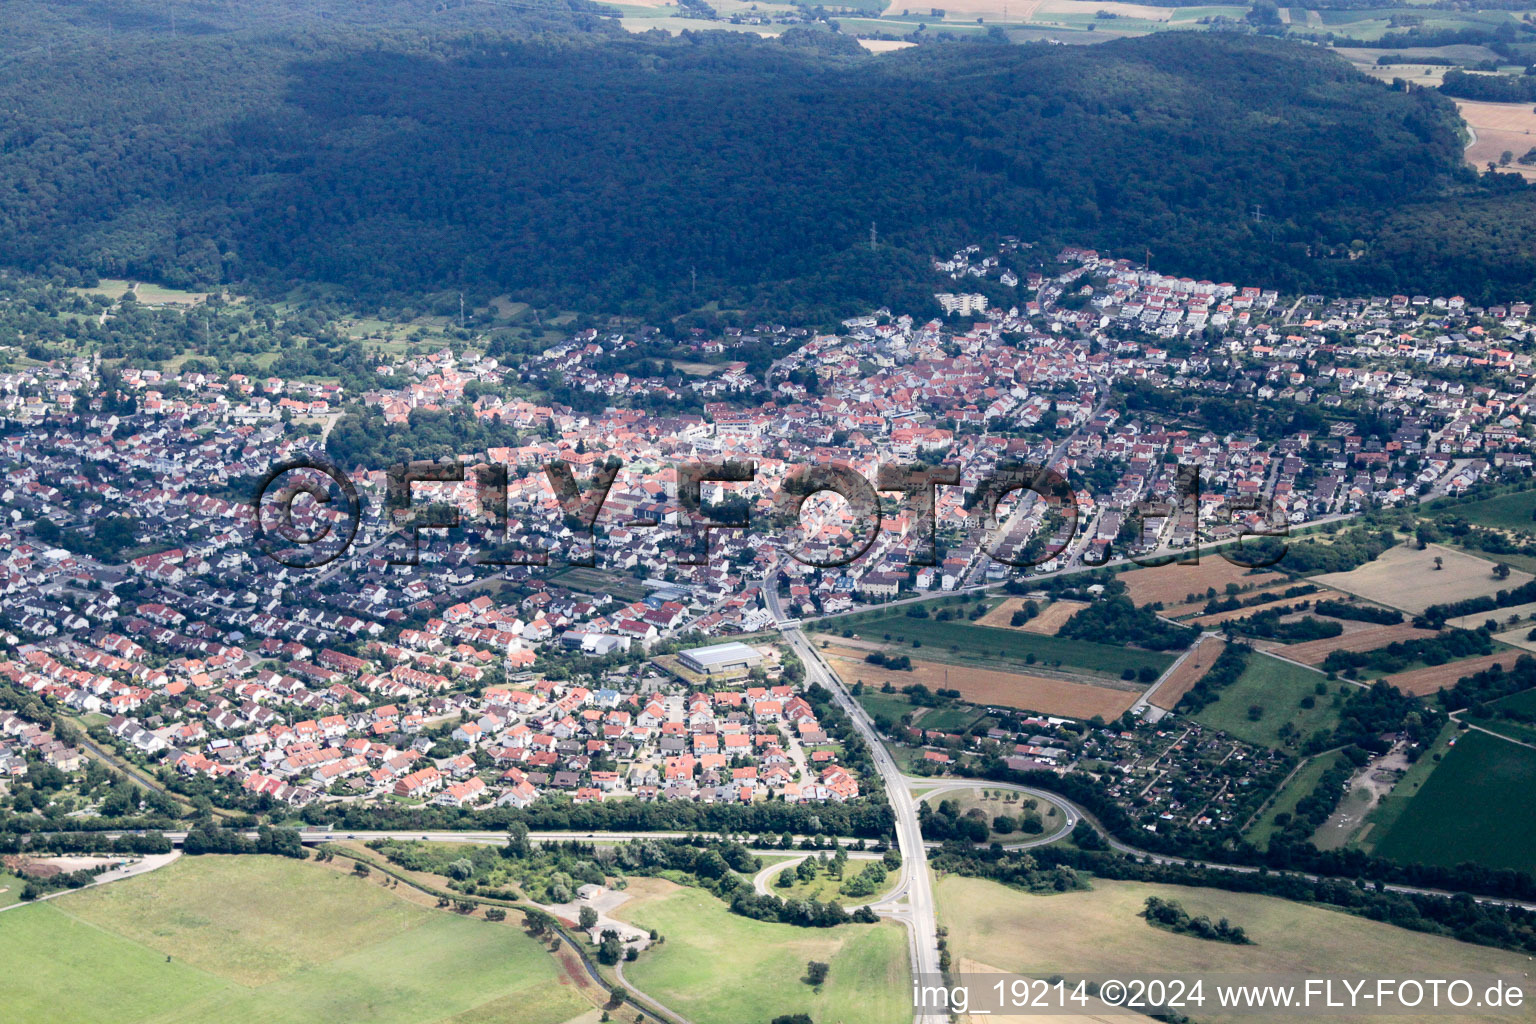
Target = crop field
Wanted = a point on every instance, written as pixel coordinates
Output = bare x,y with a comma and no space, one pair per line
1314,651
960,642
1051,618
1391,805
1501,127
1171,584
716,967
1525,700
1042,694
1190,671
1275,600
1278,688
1475,806
1506,511
269,939
1423,681
1502,615
994,928
1406,578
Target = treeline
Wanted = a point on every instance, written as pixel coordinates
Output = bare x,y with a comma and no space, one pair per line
281,842
865,817
1267,625
1398,655
1117,620
1347,549
1228,666
1489,88
894,662
1232,602
1477,691
1435,615
1318,805
1359,612
130,843
1459,917
1018,870
1170,915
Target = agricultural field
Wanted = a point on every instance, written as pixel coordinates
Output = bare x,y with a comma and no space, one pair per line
1278,688
1525,700
270,939
1294,792
1313,652
959,642
1171,584
990,687
1474,806
1189,672
1498,128
1390,806
1506,511
1423,681
1272,592
716,967
1503,615
1406,578
1051,618
994,928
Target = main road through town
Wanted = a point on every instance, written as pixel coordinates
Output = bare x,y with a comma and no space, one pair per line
912,901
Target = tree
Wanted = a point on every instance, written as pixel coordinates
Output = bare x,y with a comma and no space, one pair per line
588,918
816,972
1500,571
495,914
1439,562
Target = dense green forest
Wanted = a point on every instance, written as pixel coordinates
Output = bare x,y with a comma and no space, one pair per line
547,154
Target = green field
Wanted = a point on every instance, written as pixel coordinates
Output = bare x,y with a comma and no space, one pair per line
1302,783
1098,931
1391,807
1521,732
716,967
1505,512
826,888
1475,807
1525,700
265,939
1278,687
960,642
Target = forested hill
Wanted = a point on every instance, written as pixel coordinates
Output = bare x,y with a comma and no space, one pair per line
576,166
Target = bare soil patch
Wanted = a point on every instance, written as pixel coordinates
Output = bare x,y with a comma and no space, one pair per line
1188,672
1050,619
989,686
1171,584
1314,651
1421,682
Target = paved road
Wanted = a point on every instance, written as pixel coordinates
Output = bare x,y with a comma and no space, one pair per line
912,900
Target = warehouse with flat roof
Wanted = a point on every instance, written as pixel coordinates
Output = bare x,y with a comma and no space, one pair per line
721,659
